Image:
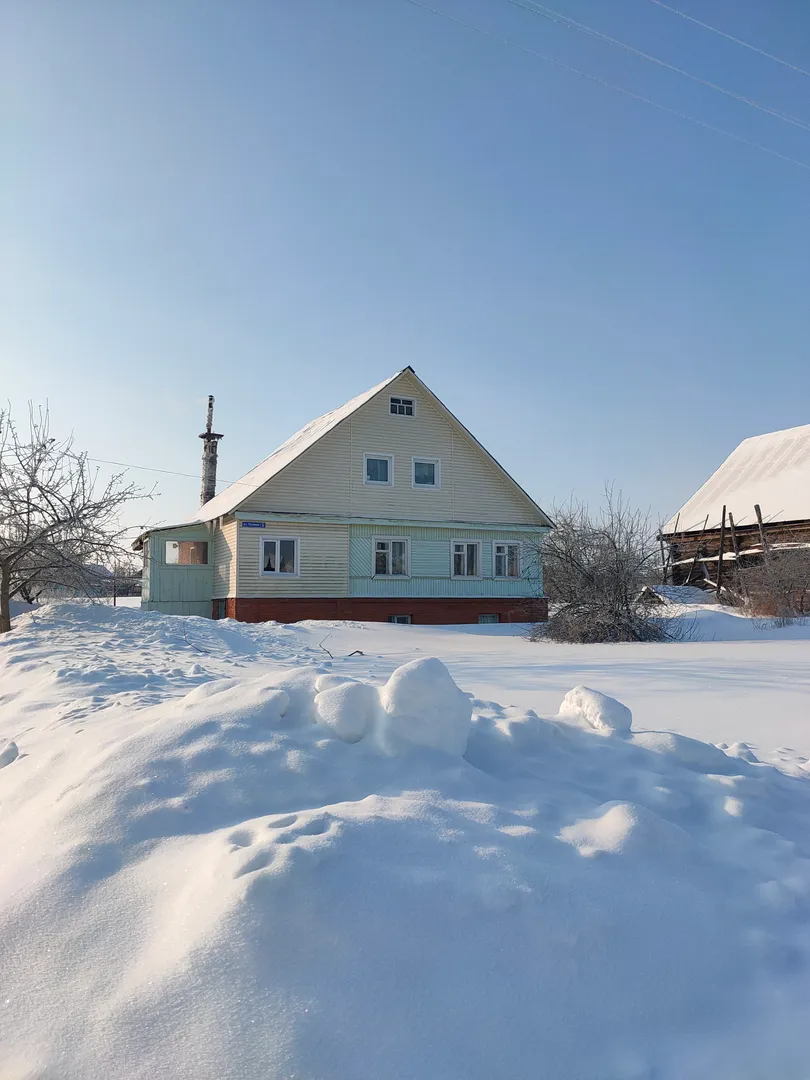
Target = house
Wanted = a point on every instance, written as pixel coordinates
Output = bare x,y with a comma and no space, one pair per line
387,509
757,502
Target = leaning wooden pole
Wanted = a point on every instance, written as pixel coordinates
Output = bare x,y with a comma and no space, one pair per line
734,542
670,546
720,558
765,549
697,551
738,569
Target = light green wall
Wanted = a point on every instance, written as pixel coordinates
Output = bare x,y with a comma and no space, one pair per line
430,564
178,590
178,607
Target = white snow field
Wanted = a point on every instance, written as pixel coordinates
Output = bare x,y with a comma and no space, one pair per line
225,855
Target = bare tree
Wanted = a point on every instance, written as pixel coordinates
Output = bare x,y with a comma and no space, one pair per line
778,585
58,524
595,566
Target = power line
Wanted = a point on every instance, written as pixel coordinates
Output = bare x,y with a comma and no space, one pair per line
730,37
555,16
167,472
603,82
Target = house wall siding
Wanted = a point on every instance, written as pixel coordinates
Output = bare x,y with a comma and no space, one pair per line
224,547
145,577
315,483
324,561
179,607
328,478
178,590
430,564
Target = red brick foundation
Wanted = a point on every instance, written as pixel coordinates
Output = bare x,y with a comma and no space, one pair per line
436,610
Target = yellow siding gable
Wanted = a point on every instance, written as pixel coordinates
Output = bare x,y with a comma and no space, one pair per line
328,477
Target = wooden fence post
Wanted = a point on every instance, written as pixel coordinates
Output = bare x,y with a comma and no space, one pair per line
720,559
734,543
765,549
697,551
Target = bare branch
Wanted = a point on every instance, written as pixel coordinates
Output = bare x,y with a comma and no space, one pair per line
59,526
595,566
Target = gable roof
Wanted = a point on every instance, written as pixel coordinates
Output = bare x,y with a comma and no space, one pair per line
772,470
227,501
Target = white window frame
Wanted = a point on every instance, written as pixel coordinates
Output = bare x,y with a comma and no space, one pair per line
400,620
387,540
465,577
505,543
277,573
436,463
403,398
188,566
378,483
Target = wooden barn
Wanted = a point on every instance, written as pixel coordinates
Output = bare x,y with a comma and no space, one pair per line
755,505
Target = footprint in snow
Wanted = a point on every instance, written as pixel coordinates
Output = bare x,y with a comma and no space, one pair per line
283,846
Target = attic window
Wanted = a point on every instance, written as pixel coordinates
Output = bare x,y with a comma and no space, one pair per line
402,406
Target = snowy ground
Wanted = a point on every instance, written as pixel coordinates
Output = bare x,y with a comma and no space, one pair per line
220,858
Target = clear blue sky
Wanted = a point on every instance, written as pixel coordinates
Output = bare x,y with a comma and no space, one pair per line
282,201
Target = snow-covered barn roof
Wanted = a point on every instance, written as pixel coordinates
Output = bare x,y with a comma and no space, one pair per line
772,470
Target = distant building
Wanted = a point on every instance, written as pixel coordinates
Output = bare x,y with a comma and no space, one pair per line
387,508
756,502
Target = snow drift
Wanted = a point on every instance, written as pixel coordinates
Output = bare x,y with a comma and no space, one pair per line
300,872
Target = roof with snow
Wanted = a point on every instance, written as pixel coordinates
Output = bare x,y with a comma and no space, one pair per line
230,499
772,470
227,501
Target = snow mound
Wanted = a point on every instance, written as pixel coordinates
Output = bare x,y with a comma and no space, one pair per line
623,827
691,753
424,707
349,710
420,706
271,872
596,710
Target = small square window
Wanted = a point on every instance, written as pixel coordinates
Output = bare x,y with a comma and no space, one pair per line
187,552
426,473
507,560
378,469
487,619
401,406
404,619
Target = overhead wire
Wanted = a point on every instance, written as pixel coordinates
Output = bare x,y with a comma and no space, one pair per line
609,85
167,472
535,8
731,37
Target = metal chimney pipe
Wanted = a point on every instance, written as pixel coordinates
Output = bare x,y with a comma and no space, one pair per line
209,457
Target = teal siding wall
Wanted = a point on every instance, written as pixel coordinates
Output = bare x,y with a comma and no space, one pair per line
430,564
145,577
178,590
